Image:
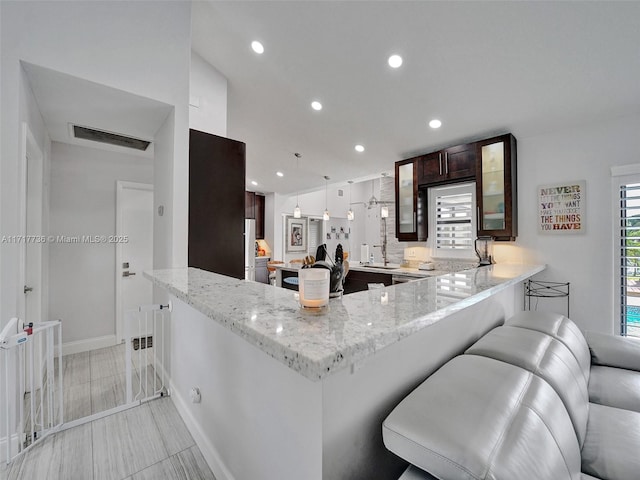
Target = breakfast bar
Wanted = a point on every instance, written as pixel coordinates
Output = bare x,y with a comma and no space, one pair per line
289,393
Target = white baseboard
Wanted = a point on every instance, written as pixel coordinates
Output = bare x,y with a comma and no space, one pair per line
211,455
3,446
86,345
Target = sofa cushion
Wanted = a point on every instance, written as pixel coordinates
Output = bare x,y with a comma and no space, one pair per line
612,444
548,358
614,351
477,417
615,387
559,327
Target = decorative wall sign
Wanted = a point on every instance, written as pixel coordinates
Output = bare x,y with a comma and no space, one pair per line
561,207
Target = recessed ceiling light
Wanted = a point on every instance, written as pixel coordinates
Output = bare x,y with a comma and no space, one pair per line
316,105
395,61
254,183
435,123
257,47
359,148
280,174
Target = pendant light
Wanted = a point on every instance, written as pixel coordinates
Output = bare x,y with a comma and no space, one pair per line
350,214
296,211
325,215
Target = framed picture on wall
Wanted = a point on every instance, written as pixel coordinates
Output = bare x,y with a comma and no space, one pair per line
296,235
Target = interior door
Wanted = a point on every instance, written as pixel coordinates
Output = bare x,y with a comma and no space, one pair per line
134,253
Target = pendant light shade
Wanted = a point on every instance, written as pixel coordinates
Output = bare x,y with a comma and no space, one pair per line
325,215
296,211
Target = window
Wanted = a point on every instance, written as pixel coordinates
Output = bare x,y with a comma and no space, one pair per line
452,221
629,259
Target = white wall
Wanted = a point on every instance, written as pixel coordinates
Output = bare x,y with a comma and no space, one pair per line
207,98
365,228
311,205
83,202
585,260
139,47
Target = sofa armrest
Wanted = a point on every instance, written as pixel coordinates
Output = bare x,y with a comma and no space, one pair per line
614,351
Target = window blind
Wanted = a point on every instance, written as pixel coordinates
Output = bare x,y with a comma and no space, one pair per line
454,221
630,259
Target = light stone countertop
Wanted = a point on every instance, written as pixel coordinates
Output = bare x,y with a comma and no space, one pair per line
351,329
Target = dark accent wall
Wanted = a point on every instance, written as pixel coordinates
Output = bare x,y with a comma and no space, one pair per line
216,203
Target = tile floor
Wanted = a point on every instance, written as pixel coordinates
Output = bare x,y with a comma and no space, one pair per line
149,441
95,381
145,442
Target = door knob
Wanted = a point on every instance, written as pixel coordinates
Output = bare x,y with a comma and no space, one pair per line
28,289
128,274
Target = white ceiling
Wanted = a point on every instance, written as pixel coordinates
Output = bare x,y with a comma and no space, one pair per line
65,99
483,68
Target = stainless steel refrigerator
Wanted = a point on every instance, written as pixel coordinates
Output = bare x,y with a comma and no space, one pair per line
250,250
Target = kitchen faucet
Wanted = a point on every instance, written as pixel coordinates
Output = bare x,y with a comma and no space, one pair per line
384,242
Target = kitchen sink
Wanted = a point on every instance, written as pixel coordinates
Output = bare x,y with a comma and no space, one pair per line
387,267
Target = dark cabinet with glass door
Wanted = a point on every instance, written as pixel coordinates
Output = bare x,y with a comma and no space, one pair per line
496,187
411,220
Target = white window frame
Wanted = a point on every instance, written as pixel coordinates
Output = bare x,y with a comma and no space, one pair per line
620,175
456,189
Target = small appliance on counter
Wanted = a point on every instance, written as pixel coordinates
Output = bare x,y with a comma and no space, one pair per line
426,266
484,250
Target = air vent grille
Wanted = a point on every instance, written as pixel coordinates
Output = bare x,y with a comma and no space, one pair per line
85,133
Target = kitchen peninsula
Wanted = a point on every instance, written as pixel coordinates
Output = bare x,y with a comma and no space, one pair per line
290,394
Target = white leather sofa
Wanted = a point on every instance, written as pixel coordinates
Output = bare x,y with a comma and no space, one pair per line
531,400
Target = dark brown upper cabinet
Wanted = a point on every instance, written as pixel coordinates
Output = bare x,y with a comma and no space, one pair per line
411,203
496,187
445,166
249,205
216,203
254,209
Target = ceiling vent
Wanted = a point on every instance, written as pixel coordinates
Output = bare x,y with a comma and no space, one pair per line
101,136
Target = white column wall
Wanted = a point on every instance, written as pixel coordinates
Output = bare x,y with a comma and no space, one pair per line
106,43
207,98
257,418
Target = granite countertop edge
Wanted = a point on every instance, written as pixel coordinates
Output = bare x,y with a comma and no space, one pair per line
317,367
